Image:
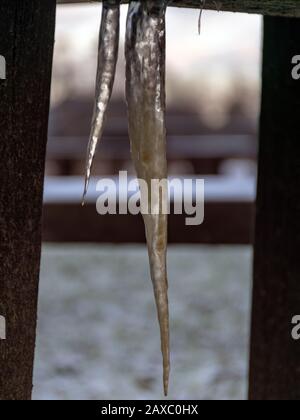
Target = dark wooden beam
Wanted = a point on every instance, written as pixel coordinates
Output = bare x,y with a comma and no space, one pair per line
68,222
275,356
229,213
26,42
264,7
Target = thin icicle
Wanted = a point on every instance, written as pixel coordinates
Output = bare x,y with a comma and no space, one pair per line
107,61
200,16
145,90
218,5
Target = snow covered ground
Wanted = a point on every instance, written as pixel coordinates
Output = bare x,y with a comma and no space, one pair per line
98,335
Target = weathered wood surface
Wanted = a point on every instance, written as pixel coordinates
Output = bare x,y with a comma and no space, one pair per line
265,7
275,356
26,42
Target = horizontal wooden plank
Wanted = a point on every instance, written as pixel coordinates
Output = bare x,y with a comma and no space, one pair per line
225,223
195,154
225,146
229,210
265,7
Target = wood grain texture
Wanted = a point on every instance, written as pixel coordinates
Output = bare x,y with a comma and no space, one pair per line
265,7
26,41
275,356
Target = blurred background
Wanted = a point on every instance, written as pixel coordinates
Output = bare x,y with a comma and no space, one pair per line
97,334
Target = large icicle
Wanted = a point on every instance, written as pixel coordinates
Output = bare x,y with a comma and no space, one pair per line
145,90
107,61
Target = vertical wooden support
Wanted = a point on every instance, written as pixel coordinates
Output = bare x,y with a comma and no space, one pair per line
275,356
26,42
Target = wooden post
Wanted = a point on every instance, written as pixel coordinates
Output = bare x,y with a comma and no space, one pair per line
265,7
275,356
26,42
